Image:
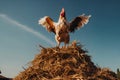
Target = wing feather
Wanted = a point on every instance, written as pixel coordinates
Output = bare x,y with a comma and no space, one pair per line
78,22
48,23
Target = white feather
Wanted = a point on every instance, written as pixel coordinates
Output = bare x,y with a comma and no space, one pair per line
43,21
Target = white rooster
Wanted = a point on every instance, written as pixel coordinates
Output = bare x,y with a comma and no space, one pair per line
63,27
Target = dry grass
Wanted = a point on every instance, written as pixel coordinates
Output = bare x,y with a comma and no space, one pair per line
71,63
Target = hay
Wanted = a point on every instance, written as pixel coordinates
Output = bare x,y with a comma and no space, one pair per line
71,63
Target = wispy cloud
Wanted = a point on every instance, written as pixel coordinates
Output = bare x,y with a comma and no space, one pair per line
26,28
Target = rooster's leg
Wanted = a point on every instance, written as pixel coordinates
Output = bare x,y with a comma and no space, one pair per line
65,44
58,44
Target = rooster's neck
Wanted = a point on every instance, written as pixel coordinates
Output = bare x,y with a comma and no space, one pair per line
62,19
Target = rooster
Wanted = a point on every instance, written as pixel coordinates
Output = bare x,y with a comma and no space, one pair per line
62,28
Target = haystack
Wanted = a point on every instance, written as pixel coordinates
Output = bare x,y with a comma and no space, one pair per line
71,63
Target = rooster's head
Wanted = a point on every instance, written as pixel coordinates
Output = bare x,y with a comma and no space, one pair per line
62,13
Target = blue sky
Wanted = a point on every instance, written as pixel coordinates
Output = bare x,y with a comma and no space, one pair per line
20,33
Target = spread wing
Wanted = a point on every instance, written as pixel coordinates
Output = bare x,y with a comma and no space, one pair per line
78,22
48,23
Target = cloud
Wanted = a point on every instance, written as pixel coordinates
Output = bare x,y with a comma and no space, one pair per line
26,28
